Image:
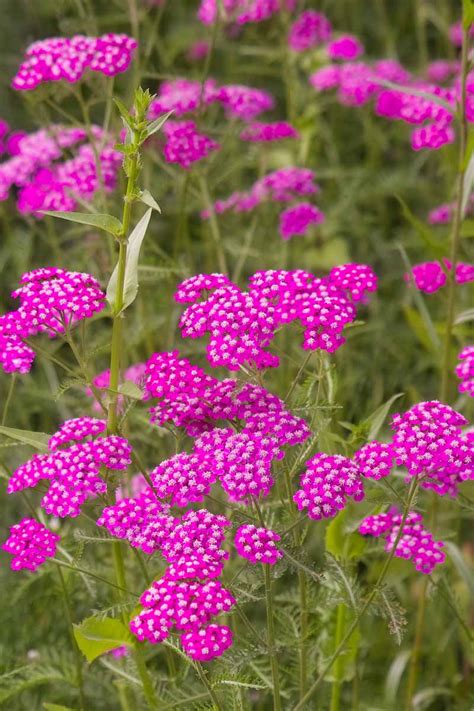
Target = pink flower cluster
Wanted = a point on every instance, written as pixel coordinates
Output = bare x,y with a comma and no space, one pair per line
431,276
196,401
185,96
282,185
309,30
185,144
47,183
325,485
30,543
415,544
51,300
67,58
465,371
241,12
298,219
74,472
242,324
187,597
430,106
429,443
258,545
265,132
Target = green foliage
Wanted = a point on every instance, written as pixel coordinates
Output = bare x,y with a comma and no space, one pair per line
95,636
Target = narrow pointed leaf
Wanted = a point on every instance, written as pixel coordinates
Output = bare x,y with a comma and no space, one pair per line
38,440
147,199
131,270
108,223
155,125
378,417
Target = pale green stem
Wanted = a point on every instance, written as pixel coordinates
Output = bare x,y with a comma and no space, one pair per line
205,681
367,604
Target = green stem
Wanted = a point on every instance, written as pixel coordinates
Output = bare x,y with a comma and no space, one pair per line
337,684
205,681
458,218
83,571
271,638
215,231
367,604
8,399
77,653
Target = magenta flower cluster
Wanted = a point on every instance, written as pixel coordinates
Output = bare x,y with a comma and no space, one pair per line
183,96
46,181
30,543
67,58
258,545
284,185
431,276
242,324
51,300
196,401
326,484
259,132
185,145
241,12
429,443
74,471
465,370
415,543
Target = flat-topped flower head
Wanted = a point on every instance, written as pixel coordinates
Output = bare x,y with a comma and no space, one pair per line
258,545
309,30
68,58
182,96
207,643
357,279
429,443
326,484
415,543
74,472
240,12
345,48
185,145
51,300
296,220
259,132
244,102
30,543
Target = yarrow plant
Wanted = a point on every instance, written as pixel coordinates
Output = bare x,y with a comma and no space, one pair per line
208,478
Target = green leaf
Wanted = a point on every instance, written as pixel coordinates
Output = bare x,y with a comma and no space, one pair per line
335,535
124,112
467,186
464,317
340,542
467,228
155,125
461,565
108,223
131,269
130,389
147,198
467,13
38,440
417,325
56,707
95,636
378,417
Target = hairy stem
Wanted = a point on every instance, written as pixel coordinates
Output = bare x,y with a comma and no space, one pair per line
8,399
415,654
337,684
203,676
